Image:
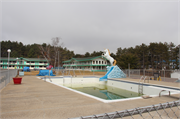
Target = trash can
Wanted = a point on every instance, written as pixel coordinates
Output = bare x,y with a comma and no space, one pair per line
17,80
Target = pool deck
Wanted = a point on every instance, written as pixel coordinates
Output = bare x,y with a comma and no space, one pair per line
37,99
153,82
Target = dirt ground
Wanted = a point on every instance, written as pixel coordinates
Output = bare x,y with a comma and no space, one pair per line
73,73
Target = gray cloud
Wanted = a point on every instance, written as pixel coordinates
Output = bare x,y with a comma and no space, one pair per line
91,26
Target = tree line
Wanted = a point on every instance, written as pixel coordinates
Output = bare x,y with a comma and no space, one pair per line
155,55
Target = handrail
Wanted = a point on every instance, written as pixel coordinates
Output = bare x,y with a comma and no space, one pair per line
144,79
162,91
141,78
47,76
140,87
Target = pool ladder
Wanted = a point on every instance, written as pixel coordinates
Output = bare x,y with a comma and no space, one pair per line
47,76
140,86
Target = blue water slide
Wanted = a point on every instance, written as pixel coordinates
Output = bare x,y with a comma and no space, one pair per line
104,78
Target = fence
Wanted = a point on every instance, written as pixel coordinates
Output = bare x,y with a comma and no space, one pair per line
6,76
132,73
169,110
137,73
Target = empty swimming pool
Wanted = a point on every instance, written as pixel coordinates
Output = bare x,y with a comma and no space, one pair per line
109,91
103,91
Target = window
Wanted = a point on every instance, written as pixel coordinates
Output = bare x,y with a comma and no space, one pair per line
99,62
102,62
96,62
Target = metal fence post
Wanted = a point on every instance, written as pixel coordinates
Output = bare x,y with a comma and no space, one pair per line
139,72
129,69
164,75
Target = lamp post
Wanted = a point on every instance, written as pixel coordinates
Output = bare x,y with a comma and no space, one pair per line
9,51
17,63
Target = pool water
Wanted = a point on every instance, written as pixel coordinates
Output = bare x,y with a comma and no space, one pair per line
104,91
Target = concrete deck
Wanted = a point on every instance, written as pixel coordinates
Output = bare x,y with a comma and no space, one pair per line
37,99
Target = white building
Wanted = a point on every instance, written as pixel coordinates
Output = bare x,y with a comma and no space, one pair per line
98,63
20,63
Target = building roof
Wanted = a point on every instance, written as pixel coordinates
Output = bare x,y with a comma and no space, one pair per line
21,58
84,59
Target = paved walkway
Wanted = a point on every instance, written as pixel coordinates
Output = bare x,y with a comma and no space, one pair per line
154,82
37,99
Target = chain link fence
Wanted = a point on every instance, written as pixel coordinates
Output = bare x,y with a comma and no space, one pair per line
6,76
169,110
135,73
163,75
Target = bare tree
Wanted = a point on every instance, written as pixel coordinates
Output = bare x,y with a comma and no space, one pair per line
56,47
50,52
45,51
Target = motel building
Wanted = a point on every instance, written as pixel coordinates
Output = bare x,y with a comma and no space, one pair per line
95,64
20,63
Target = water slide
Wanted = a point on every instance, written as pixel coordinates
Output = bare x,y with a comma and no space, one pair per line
104,78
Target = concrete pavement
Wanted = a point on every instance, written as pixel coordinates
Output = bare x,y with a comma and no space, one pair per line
37,99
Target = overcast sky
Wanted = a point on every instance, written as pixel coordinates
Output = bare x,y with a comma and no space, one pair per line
91,26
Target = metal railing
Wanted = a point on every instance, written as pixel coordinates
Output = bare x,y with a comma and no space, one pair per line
168,110
6,76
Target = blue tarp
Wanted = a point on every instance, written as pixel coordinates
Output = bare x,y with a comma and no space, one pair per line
45,73
104,78
26,69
